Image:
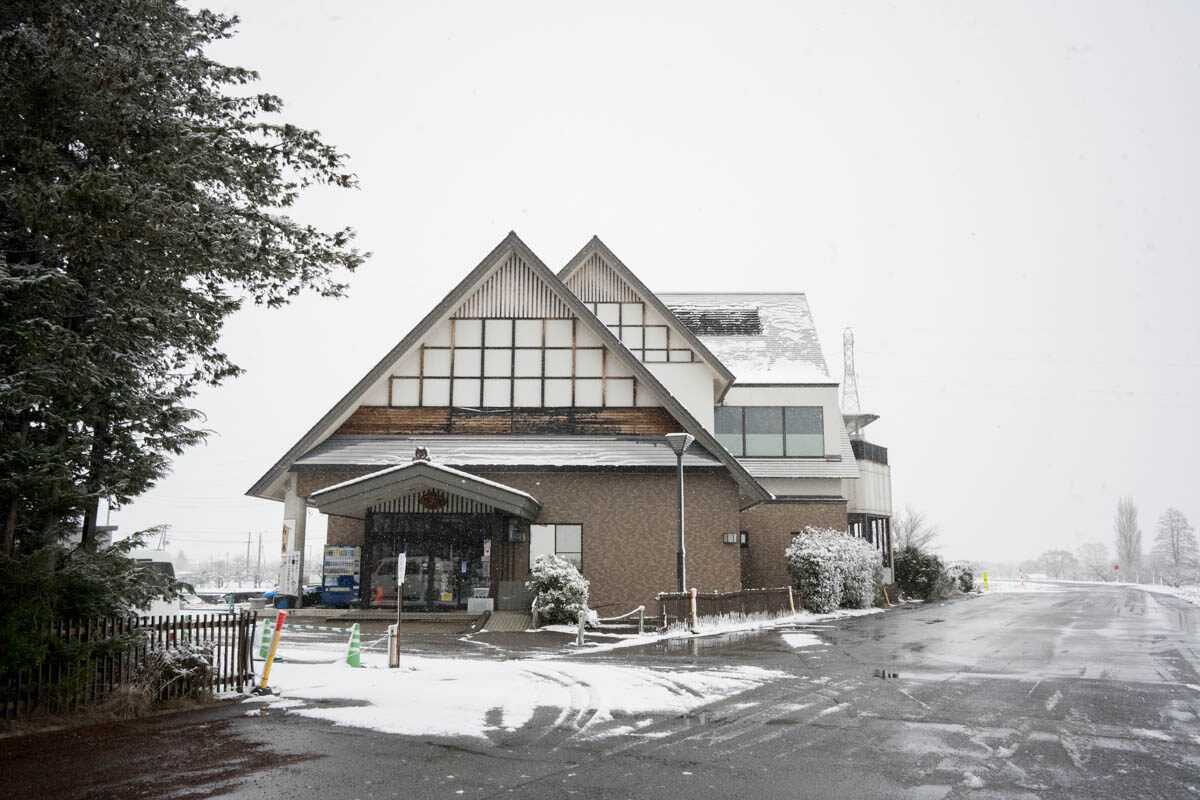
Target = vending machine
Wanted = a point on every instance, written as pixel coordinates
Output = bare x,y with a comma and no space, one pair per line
340,576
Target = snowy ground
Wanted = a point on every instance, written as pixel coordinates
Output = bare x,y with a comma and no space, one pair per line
475,698
483,698
708,626
1188,593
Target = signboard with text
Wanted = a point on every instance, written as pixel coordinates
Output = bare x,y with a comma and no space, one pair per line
289,574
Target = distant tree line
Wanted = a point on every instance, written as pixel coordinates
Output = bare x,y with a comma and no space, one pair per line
1174,557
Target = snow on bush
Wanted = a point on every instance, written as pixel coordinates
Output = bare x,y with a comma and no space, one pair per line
963,573
184,670
561,592
831,569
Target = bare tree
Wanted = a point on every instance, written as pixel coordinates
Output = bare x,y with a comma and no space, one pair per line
1095,563
911,528
1058,564
1175,547
1128,538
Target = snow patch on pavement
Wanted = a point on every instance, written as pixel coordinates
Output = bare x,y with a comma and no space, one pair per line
460,697
803,639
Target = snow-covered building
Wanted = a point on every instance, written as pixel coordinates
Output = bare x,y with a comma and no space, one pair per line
526,413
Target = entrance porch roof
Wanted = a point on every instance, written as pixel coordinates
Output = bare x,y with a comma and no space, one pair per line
352,498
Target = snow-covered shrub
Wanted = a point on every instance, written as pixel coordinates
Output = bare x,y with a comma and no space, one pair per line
862,574
831,569
561,593
184,671
963,574
921,574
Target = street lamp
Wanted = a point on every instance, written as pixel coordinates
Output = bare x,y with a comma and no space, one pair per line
679,442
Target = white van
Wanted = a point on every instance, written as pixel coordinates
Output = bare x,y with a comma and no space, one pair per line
161,561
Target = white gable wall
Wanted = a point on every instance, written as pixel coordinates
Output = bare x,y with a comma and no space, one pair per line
691,385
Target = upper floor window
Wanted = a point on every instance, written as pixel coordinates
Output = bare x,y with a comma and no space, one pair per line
765,431
643,332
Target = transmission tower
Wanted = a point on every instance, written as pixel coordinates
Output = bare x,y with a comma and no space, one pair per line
850,404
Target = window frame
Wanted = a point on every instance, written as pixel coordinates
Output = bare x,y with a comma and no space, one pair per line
782,435
554,526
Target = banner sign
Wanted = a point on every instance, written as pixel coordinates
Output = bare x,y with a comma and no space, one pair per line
289,574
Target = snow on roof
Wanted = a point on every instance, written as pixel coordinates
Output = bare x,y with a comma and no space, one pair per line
761,337
428,464
504,451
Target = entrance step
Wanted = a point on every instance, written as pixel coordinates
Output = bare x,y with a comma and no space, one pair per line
508,621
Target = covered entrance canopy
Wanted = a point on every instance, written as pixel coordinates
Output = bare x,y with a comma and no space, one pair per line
454,527
355,497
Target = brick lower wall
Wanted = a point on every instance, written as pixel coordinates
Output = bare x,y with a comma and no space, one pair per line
629,528
771,526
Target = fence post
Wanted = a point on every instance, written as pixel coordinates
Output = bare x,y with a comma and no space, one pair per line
694,609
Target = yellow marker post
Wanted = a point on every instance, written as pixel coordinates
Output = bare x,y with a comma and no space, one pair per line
791,600
271,657
985,586
883,588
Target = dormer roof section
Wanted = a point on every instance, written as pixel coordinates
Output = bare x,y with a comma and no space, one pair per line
510,270
596,275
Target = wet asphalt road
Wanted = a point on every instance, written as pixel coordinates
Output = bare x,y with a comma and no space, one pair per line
1081,691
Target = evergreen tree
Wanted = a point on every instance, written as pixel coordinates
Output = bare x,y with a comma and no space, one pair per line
142,200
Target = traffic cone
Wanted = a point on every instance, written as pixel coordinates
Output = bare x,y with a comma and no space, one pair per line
264,644
355,648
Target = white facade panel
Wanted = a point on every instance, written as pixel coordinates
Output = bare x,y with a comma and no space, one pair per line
805,487
691,385
872,492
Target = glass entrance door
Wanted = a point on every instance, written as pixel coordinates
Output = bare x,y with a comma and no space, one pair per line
445,561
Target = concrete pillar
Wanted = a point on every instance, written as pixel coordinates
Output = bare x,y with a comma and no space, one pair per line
295,514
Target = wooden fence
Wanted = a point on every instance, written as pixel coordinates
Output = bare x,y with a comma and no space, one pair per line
677,606
88,659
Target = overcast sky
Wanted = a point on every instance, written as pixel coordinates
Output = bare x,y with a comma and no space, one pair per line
1000,199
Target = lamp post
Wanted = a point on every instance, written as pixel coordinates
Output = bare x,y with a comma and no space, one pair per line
679,443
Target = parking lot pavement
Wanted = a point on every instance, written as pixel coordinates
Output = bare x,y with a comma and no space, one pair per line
1078,692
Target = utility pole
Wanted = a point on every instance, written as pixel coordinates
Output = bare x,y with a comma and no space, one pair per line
247,551
258,566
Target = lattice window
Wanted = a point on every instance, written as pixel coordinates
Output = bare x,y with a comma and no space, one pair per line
645,333
514,363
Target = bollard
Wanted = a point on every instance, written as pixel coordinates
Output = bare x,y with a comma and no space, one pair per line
393,647
271,656
694,625
582,617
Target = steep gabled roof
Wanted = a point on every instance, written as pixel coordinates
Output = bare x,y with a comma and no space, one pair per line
269,485
764,337
596,246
